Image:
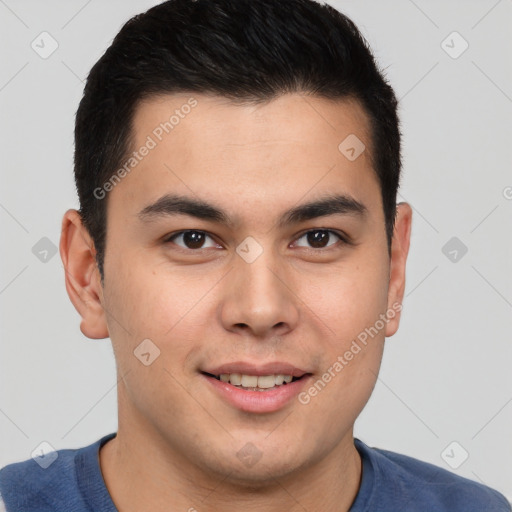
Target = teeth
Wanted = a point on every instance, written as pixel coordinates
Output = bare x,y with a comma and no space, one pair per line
235,379
266,381
255,381
249,381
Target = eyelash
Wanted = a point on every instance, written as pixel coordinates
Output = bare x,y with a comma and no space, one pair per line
342,238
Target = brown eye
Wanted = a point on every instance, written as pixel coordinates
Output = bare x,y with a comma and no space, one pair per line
191,239
319,238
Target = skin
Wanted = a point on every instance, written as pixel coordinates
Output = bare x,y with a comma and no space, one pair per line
177,441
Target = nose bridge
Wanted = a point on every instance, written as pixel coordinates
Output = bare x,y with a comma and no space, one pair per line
260,299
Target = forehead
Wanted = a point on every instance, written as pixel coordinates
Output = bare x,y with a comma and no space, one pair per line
268,153
211,117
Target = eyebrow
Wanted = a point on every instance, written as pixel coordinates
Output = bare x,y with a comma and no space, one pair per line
170,205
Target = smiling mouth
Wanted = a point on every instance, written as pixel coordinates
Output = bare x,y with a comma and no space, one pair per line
255,382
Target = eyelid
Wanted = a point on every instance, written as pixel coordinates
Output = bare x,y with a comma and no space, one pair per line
344,239
168,239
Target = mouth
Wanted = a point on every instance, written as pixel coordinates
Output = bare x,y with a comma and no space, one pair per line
256,389
255,382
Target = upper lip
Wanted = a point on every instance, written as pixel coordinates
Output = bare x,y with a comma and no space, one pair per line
246,368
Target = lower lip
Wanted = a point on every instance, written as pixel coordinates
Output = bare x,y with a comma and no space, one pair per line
258,401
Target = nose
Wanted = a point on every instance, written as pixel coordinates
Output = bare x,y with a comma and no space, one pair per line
259,298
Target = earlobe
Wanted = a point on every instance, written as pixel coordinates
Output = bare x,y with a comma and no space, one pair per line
81,275
399,252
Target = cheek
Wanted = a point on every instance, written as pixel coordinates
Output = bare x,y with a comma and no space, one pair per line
148,299
148,303
172,307
349,299
351,303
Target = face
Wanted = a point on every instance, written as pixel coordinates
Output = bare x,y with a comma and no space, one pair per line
251,281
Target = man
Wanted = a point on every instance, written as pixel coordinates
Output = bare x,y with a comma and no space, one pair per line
238,239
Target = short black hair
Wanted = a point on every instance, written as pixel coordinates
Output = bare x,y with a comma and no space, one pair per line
245,50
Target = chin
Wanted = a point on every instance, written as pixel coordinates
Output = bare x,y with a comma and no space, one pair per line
253,468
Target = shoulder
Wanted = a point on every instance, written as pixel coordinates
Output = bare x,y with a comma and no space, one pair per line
415,485
45,482
27,483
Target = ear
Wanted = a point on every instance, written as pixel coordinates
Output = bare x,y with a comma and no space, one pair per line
399,252
82,276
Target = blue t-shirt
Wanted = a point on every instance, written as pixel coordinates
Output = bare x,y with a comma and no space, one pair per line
390,483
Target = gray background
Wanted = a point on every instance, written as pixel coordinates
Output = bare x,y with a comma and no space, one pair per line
446,374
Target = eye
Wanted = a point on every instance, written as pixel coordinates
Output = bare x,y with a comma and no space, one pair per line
194,239
319,238
191,239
